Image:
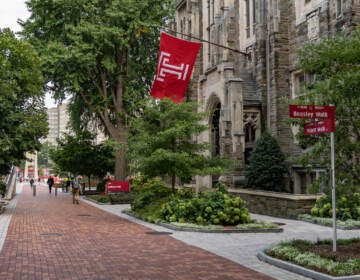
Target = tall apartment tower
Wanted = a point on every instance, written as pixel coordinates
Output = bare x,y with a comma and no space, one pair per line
245,90
58,118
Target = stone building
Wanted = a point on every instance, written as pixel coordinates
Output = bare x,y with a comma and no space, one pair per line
245,84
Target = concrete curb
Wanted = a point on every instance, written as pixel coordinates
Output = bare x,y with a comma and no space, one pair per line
301,270
169,226
173,227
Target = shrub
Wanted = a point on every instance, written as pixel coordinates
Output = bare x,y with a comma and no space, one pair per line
100,198
122,198
148,192
347,206
100,187
299,252
214,207
267,166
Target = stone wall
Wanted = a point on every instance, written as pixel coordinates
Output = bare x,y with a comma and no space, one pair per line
276,204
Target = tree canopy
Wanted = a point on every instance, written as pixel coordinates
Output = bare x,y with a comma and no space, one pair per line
334,64
23,119
77,154
102,53
163,143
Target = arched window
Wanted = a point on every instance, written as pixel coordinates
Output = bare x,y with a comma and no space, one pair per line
215,130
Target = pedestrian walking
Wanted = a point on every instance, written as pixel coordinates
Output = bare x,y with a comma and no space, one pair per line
68,183
75,187
50,183
32,182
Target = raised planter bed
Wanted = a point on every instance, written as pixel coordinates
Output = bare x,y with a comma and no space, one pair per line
283,205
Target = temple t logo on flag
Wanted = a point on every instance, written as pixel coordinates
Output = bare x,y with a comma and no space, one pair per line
175,64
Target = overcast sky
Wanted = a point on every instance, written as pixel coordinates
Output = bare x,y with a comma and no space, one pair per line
10,12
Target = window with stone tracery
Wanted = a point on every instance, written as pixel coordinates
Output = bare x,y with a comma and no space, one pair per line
339,8
250,120
250,17
247,23
313,25
250,126
298,80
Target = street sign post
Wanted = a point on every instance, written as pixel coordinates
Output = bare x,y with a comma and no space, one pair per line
326,124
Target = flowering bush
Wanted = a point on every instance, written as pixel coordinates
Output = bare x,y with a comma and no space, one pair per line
347,207
217,207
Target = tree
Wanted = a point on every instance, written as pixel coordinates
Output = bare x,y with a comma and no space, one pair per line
103,53
334,62
80,156
23,119
162,143
266,168
43,155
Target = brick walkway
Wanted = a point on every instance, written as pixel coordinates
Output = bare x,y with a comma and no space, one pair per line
50,238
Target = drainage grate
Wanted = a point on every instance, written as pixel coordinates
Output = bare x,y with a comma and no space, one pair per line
158,232
51,234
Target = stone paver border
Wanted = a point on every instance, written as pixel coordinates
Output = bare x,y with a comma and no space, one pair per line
302,270
173,227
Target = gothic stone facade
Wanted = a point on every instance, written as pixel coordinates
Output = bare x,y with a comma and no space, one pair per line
245,89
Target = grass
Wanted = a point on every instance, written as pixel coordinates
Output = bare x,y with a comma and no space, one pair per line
320,257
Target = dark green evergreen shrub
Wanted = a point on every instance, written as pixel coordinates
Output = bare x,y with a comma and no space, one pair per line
150,191
266,168
100,187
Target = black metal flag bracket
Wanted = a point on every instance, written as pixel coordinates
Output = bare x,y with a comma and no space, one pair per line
248,55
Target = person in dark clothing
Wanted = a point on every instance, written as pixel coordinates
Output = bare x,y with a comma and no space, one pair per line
50,183
32,182
68,183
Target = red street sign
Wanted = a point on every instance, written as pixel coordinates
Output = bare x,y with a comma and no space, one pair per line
312,112
117,186
324,126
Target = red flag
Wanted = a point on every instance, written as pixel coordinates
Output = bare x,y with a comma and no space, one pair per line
175,64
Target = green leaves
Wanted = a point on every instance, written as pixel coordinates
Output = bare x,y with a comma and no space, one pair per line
162,142
335,63
79,155
23,119
267,166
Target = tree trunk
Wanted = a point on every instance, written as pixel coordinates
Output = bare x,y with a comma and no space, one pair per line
173,180
120,164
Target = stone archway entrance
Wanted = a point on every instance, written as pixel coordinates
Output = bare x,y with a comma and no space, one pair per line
215,133
215,130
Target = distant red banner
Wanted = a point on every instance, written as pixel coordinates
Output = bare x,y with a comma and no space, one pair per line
312,112
117,186
324,126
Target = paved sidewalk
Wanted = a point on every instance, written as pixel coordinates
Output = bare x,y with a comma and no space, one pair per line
243,247
51,238
122,247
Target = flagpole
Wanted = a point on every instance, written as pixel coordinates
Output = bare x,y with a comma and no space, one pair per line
206,41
